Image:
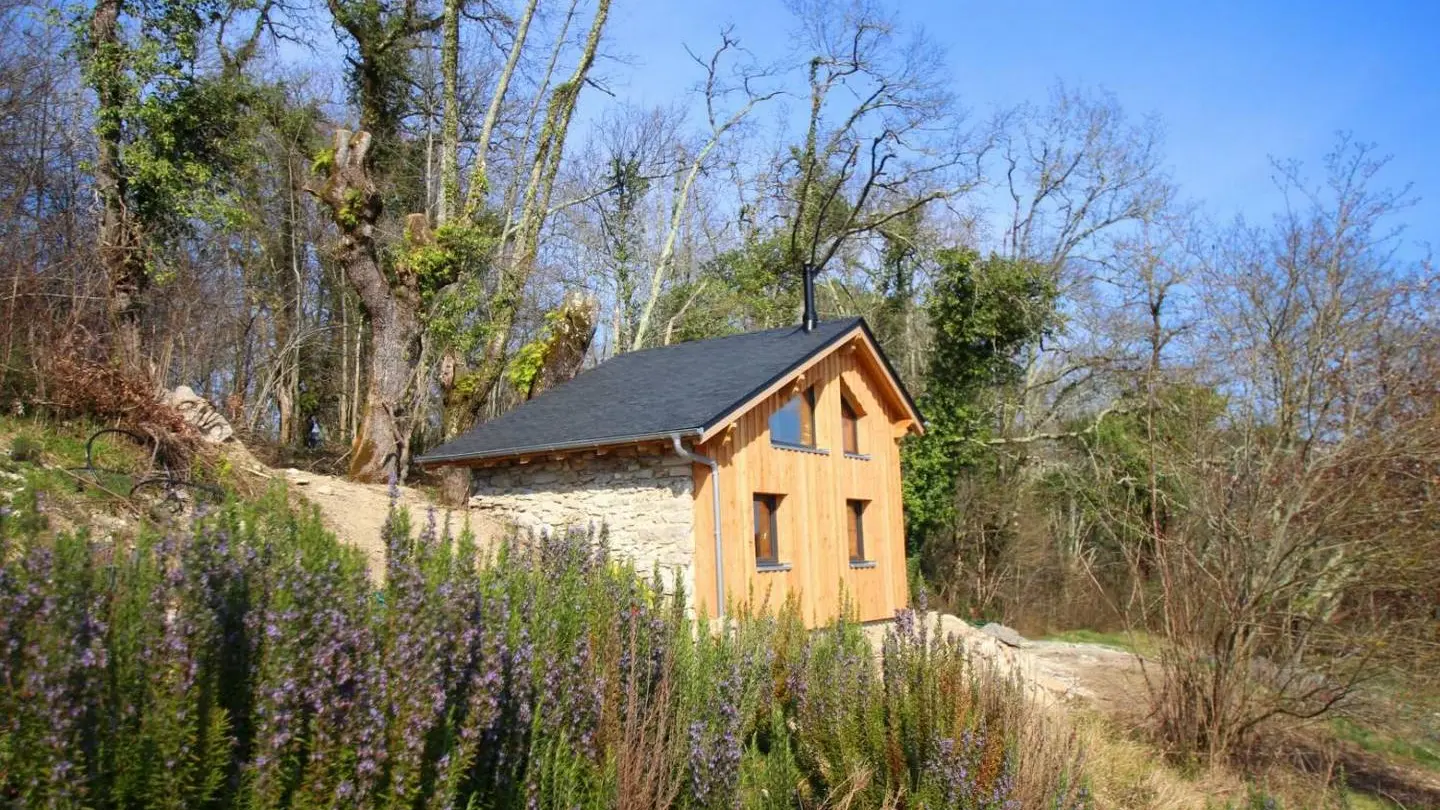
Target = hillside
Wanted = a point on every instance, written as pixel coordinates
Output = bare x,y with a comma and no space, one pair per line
1078,693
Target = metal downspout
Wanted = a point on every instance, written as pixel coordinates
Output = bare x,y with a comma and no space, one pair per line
696,458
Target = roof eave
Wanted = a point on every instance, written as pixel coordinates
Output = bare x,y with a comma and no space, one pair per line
460,459
914,408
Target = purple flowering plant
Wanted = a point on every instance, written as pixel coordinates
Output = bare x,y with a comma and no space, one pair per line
250,661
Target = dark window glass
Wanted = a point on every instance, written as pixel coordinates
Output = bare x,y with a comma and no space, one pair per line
767,547
849,425
794,423
855,515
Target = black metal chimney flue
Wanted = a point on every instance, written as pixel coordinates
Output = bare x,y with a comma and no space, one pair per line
811,317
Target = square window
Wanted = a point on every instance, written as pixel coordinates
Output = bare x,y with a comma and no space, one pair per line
855,518
794,423
767,539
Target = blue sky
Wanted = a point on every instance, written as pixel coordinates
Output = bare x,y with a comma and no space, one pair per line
1234,83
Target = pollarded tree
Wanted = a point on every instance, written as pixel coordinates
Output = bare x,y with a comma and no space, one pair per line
433,265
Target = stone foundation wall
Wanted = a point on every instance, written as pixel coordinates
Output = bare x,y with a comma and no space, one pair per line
645,500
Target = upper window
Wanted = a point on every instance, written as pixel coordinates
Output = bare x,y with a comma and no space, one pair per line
767,541
849,425
794,423
855,517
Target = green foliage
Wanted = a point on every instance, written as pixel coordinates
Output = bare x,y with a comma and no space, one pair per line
25,447
453,274
530,359
324,162
348,215
527,363
181,132
753,287
459,248
984,313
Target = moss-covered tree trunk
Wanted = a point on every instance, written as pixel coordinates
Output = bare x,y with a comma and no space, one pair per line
467,397
382,442
449,199
121,248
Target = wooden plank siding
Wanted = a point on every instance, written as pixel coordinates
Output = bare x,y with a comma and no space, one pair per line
812,530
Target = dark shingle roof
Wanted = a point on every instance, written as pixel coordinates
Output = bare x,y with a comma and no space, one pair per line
648,394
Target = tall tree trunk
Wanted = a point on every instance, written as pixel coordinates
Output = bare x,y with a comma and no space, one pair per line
543,170
382,440
455,419
479,180
342,404
450,121
121,251
286,365
464,403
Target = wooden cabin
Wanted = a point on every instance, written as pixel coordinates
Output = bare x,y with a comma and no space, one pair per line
791,435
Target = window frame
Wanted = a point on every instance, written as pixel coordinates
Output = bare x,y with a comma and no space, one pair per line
849,426
772,505
855,530
807,400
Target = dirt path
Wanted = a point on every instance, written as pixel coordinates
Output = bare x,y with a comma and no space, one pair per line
1053,672
357,512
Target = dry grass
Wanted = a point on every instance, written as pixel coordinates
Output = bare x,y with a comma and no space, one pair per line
1124,770
78,385
1050,746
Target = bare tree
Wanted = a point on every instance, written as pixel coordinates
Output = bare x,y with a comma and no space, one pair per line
1074,169
1081,178
883,137
1282,512
480,178
714,91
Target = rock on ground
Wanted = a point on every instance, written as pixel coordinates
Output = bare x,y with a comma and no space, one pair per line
1050,672
1004,634
206,419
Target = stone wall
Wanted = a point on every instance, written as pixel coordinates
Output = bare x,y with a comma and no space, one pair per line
645,500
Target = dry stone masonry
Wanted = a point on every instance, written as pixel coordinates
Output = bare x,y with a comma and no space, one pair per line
645,500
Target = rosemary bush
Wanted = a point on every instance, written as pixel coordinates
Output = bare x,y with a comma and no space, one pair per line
251,663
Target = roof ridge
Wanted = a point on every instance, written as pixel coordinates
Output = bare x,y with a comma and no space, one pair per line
718,338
